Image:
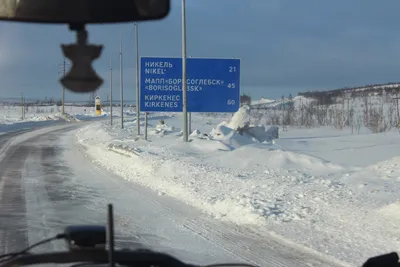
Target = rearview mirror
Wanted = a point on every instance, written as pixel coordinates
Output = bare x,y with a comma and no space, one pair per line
83,11
82,78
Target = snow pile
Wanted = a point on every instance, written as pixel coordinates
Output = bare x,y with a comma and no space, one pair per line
197,133
163,129
262,101
51,117
68,117
256,184
230,137
235,133
58,116
239,132
94,134
241,119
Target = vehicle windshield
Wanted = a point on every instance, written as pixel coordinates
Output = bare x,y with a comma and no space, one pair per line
258,132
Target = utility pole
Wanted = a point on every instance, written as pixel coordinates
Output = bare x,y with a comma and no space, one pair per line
22,107
137,79
348,111
121,83
111,91
63,72
283,111
63,91
107,99
92,98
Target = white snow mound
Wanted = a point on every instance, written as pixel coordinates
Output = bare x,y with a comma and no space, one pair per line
238,132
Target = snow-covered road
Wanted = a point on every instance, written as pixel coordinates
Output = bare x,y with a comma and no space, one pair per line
47,182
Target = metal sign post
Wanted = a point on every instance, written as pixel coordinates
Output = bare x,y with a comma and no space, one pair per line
137,79
111,94
184,81
121,83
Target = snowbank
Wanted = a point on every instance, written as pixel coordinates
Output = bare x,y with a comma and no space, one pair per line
57,116
239,132
346,212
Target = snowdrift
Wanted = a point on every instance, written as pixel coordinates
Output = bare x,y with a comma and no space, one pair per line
238,173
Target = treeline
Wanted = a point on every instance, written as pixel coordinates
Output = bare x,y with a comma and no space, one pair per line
245,99
329,97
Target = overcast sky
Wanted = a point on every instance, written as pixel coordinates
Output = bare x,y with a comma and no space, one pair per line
285,46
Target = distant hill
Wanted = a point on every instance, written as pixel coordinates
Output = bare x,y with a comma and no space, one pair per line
328,96
374,107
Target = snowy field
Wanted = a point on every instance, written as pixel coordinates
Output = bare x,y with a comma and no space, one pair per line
323,188
37,116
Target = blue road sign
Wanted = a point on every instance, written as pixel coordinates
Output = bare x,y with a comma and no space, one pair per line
213,85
